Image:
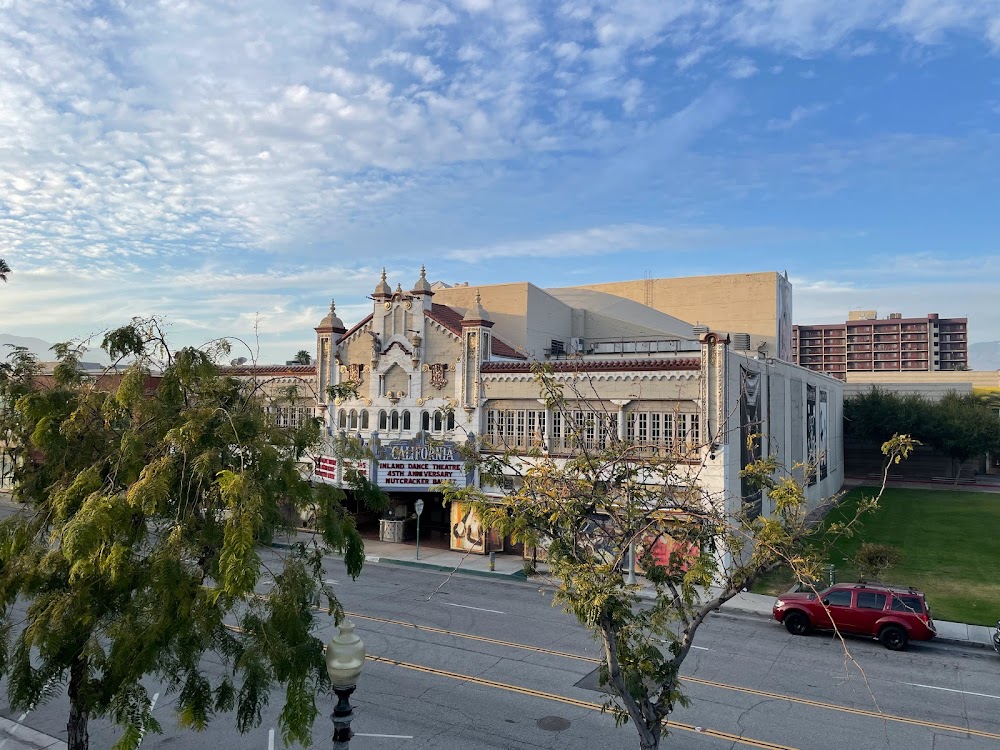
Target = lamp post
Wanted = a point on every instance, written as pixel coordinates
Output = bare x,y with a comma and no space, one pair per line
345,655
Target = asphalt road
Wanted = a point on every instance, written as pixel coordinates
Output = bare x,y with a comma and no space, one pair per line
494,665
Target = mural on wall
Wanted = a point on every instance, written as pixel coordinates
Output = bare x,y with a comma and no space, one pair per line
784,319
822,427
750,438
676,556
811,442
467,533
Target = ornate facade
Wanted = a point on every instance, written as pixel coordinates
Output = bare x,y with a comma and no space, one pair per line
428,375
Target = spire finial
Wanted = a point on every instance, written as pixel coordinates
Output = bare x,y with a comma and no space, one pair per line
333,306
383,273
479,298
423,271
399,287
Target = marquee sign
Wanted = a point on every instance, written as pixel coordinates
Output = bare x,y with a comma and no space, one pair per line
415,465
326,468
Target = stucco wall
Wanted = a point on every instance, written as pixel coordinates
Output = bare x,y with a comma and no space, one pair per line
600,386
786,423
735,303
506,304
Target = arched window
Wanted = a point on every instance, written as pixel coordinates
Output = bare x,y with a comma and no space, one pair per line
364,419
383,420
354,419
406,420
425,421
437,421
343,419
451,420
394,420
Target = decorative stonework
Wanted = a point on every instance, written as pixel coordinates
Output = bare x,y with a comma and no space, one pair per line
439,379
353,373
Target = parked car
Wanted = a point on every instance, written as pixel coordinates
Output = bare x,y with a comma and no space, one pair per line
895,616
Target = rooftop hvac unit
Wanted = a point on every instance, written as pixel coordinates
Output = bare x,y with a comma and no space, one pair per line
700,330
895,316
576,345
741,342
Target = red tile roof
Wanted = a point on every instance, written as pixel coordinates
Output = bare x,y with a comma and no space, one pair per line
269,370
452,320
356,326
609,365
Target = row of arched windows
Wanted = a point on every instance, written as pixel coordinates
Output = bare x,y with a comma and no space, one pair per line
396,419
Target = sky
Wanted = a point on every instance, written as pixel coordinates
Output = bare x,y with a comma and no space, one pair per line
232,165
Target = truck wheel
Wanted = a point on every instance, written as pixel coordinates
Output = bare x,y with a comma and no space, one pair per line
893,637
796,623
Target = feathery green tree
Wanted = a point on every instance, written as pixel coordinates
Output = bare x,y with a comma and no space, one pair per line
146,492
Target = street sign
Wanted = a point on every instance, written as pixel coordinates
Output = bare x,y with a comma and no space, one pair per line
419,506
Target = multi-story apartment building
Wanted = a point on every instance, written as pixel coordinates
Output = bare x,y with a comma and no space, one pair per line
867,343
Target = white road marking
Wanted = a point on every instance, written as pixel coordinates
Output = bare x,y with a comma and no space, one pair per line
22,717
478,609
952,690
701,648
388,736
331,581
152,705
270,739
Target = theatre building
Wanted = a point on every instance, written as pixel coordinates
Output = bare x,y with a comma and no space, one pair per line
435,365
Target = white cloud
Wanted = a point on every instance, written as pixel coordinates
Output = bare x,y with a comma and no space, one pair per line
151,153
742,68
609,240
797,115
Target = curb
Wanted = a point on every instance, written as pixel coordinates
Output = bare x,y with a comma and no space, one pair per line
26,737
518,574
447,569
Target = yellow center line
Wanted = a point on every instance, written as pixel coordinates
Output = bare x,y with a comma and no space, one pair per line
728,737
698,680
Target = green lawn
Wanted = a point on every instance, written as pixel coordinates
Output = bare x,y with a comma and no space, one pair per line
949,543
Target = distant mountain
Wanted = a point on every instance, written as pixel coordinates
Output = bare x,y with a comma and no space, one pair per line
43,349
985,355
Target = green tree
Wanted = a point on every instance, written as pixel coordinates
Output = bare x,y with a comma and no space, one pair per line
302,357
697,549
4,270
146,492
968,428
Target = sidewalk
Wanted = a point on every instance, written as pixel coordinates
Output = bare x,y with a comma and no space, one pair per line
13,736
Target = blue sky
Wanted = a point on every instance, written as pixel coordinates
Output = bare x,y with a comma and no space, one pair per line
232,165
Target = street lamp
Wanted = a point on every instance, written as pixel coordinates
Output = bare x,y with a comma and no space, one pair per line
345,655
